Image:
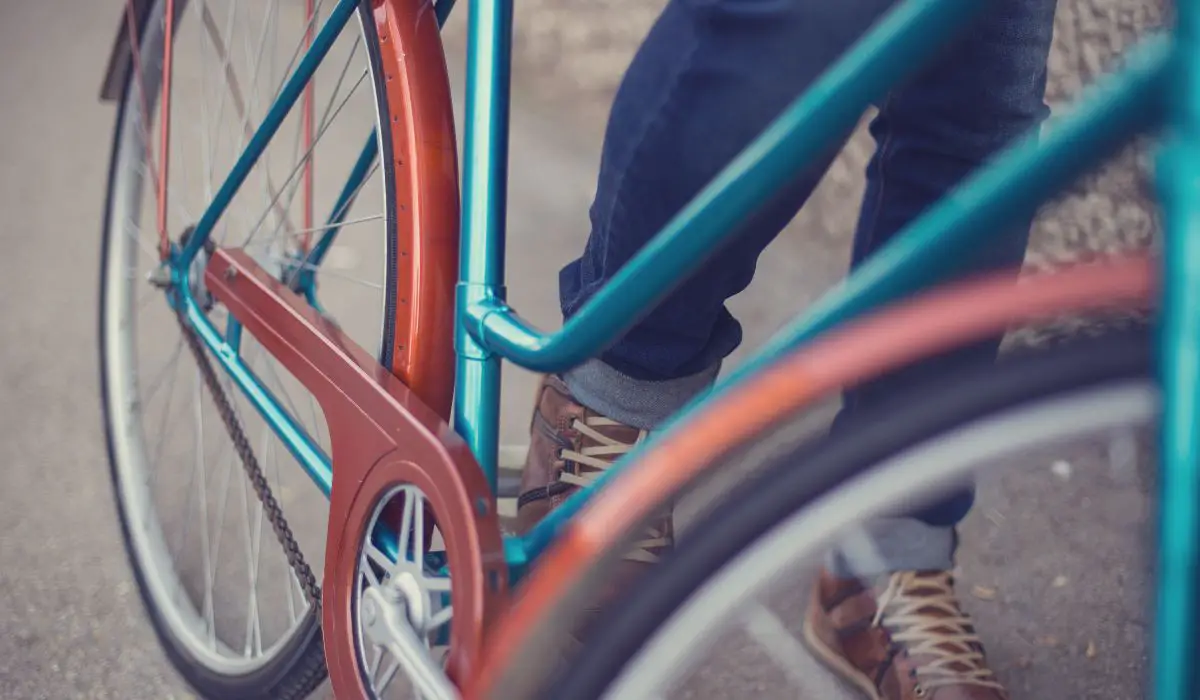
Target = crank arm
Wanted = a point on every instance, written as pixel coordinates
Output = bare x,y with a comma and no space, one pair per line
384,626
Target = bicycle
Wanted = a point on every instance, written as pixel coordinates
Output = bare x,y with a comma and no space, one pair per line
412,427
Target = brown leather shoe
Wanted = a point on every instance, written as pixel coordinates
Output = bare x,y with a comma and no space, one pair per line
906,638
570,446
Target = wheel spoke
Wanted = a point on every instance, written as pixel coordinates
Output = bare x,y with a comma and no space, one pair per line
299,589
337,86
289,574
142,116
333,96
385,563
254,552
273,381
386,680
135,233
276,235
291,178
181,212
272,377
191,498
269,190
418,529
439,618
770,634
216,144
166,415
406,519
243,112
323,227
247,551
300,132
337,215
289,596
148,392
148,298
209,613
375,662
287,72
325,271
205,120
227,475
411,536
368,570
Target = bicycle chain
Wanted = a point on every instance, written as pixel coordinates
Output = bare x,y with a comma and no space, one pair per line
283,532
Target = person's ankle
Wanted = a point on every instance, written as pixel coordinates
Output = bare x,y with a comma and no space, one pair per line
889,545
638,403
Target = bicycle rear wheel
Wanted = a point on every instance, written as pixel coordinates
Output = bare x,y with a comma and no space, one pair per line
223,600
721,616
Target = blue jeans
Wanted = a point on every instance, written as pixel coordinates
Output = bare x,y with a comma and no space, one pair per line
708,78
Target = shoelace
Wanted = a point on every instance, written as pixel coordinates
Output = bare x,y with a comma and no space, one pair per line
921,613
599,457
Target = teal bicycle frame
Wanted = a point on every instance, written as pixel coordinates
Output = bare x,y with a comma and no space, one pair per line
1159,88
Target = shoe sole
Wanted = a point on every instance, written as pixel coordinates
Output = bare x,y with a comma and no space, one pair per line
838,664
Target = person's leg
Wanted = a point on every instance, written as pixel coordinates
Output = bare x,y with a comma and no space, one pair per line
931,134
894,584
711,75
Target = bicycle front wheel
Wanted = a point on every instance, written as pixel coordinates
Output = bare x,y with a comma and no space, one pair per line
1051,565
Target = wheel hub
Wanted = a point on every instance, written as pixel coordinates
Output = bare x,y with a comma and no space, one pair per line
162,278
400,597
383,623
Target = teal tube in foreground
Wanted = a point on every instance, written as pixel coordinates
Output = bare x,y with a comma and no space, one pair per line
481,256
931,247
1176,614
894,48
1179,454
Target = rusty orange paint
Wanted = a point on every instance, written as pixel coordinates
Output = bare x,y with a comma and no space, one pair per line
382,435
937,321
421,124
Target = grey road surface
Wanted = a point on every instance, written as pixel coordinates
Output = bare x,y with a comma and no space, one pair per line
1053,567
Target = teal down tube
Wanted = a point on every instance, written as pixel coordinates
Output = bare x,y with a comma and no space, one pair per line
931,247
1179,369
1177,613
